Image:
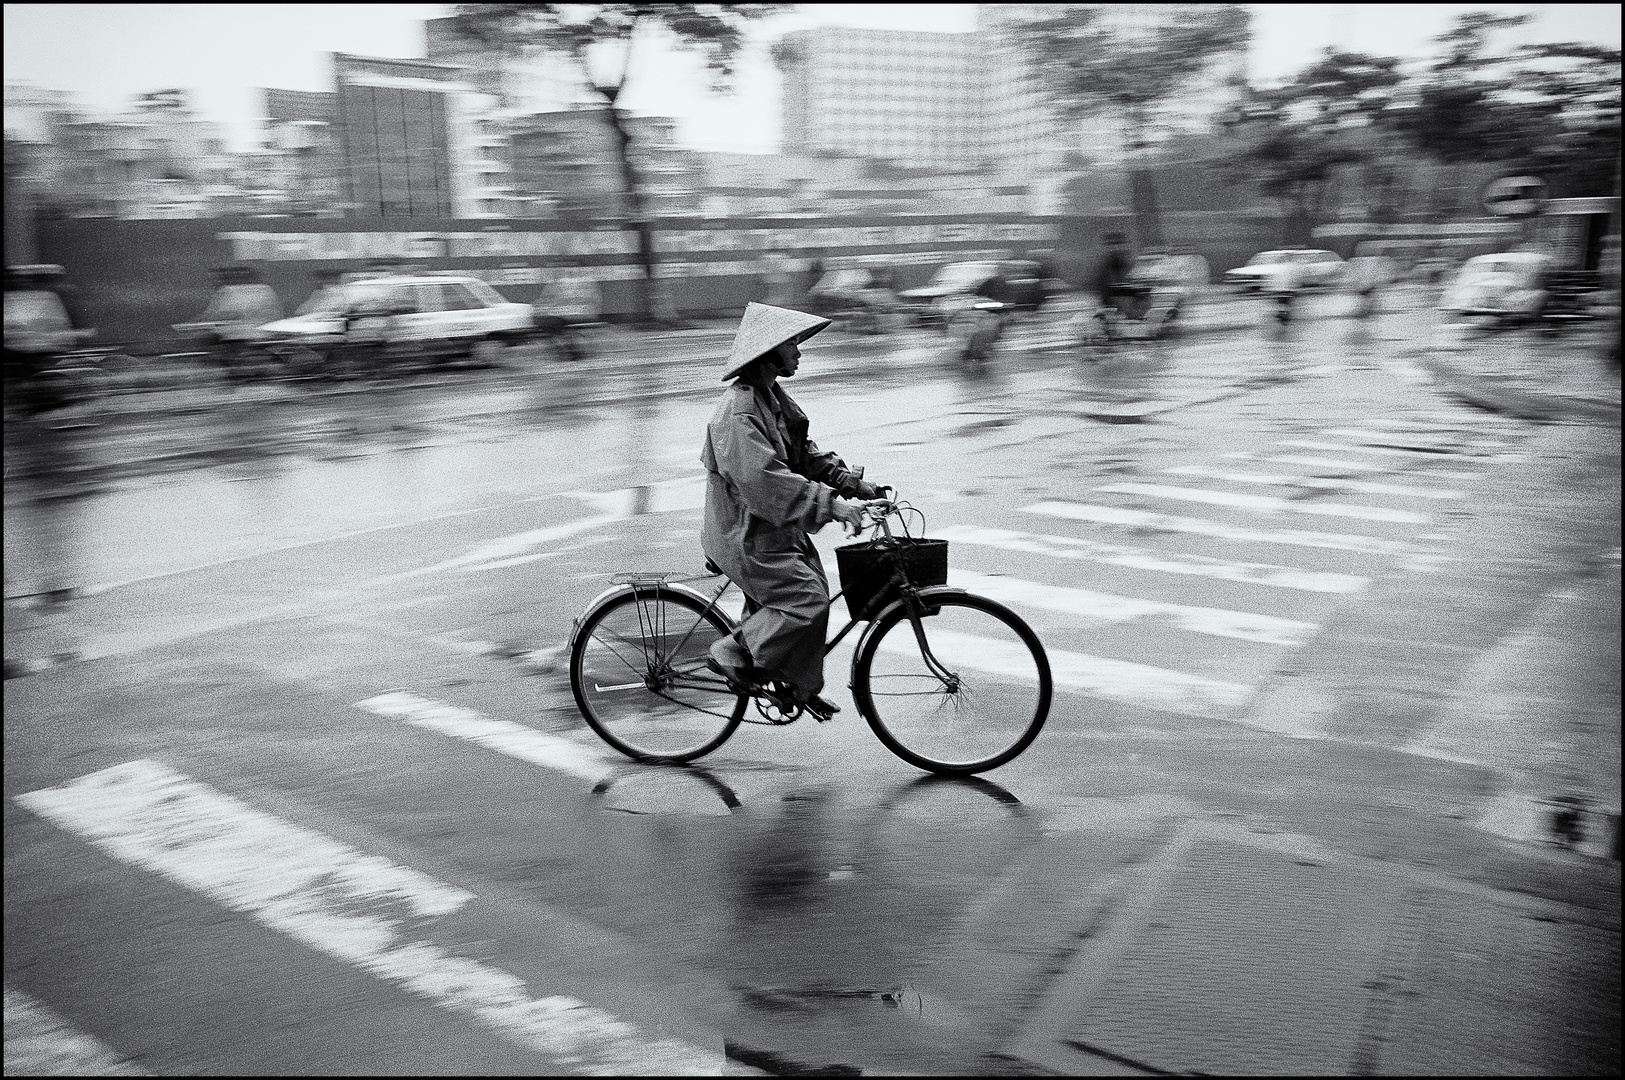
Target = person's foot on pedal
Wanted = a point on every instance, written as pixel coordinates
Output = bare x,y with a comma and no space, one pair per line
729,659
821,708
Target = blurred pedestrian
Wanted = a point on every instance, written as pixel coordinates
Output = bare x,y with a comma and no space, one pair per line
1366,275
767,487
811,275
777,281
1112,280
1285,286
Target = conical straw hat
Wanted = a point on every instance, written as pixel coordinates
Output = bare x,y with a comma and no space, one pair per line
763,329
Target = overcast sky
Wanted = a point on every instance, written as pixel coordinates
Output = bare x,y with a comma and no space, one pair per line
222,52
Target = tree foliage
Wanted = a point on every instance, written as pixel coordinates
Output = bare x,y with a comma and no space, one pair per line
1088,60
1549,109
1552,110
587,34
1089,63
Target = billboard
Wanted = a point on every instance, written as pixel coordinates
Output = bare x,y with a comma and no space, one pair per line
139,277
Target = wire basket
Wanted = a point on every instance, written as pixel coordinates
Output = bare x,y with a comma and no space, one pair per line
866,569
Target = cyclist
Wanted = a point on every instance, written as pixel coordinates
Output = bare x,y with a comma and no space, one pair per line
767,487
1112,279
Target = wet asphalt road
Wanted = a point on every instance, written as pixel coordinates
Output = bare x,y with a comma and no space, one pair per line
255,576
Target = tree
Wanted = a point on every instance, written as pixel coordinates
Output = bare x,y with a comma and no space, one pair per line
1089,62
1297,139
589,32
1548,109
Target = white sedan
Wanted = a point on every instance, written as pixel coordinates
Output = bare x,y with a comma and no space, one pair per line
447,314
1509,287
1271,270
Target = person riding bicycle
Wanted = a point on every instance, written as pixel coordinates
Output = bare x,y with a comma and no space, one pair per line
767,487
1113,281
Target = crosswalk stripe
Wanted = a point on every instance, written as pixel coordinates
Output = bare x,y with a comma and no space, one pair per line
1382,451
39,1042
354,907
1342,465
1217,622
1095,676
505,737
1362,487
1145,519
1437,440
1067,547
1266,504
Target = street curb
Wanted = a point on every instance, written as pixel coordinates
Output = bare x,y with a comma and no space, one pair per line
1516,401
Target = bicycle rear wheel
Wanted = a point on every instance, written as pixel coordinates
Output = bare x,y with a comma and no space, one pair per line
637,668
972,699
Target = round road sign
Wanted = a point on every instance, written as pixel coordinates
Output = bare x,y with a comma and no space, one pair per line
1515,196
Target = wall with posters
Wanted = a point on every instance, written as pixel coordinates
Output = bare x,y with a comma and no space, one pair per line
140,277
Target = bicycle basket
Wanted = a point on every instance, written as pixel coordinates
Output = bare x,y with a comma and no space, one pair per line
866,569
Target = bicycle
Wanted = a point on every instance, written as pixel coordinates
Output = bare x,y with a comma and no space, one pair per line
951,682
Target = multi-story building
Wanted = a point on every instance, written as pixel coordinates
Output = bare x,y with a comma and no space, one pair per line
567,161
158,159
533,83
915,98
416,140
301,168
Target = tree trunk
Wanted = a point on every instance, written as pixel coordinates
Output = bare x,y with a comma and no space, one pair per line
1142,184
648,285
1147,217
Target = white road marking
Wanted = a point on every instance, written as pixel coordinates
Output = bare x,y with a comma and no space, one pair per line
503,736
1067,547
39,1042
683,493
1085,604
354,907
1362,487
1144,519
1343,466
1093,676
1266,504
1383,451
506,550
1420,437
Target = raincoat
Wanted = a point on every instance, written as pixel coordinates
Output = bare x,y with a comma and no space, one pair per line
767,487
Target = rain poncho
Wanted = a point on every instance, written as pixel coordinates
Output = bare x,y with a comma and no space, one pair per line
767,487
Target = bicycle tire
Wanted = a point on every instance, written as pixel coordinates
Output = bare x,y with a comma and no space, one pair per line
990,713
637,669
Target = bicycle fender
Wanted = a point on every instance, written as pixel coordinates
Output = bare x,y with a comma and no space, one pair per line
925,596
616,591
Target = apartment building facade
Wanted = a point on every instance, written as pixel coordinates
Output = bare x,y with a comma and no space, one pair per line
911,97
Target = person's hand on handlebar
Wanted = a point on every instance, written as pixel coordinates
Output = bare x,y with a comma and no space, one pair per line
855,515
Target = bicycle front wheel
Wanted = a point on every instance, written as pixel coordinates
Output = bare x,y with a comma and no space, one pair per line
962,689
638,672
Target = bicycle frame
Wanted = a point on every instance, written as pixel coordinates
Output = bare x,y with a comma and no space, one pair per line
909,594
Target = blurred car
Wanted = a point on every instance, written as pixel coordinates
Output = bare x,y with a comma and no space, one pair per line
1018,284
1266,270
442,315
38,324
1508,288
863,295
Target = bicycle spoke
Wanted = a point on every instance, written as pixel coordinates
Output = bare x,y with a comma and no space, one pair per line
672,712
959,692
